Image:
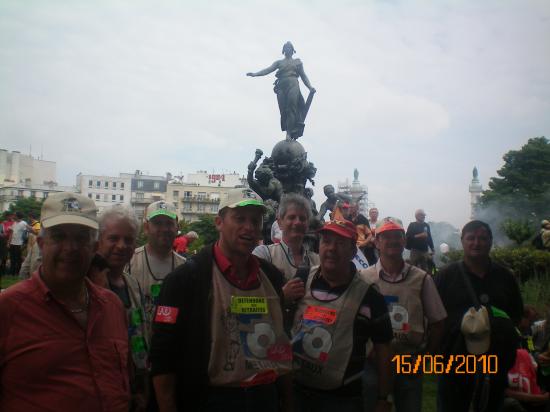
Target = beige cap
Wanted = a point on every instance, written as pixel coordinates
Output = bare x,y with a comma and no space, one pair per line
476,330
68,208
161,208
241,197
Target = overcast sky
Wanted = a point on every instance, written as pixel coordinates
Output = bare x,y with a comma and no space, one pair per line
411,93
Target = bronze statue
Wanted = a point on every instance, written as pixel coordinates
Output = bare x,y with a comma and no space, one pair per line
332,199
265,184
292,107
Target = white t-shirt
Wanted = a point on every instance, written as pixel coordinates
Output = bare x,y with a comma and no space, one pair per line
18,229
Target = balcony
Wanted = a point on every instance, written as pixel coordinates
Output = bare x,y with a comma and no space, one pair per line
199,199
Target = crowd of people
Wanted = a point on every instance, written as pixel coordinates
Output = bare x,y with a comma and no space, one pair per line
102,325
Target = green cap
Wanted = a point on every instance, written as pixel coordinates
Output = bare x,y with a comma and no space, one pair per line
161,208
241,197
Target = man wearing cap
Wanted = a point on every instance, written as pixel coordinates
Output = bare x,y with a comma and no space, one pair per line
288,255
63,340
493,286
340,319
419,241
416,311
153,261
218,340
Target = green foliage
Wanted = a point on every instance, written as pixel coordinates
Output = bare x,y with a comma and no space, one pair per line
518,230
536,291
26,205
206,229
525,262
523,188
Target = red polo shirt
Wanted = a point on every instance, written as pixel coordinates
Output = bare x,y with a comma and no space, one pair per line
48,362
226,267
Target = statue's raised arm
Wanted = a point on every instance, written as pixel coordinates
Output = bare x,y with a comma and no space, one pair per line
292,107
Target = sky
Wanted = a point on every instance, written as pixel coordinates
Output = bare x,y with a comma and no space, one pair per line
413,94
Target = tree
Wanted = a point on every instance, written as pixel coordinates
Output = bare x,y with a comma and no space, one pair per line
26,205
518,230
523,186
206,229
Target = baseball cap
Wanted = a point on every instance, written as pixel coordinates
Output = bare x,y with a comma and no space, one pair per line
341,227
387,224
160,208
476,330
242,197
68,208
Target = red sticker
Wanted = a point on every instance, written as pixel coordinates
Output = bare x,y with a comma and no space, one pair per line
320,314
281,352
166,314
323,356
261,378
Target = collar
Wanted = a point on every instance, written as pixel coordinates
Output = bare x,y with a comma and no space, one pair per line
228,270
392,278
93,290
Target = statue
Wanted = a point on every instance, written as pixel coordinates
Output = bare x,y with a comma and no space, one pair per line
475,173
265,184
332,200
292,107
355,174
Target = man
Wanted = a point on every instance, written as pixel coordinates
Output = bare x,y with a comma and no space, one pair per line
182,242
419,239
369,248
5,233
339,319
290,254
219,343
493,286
16,242
118,230
153,261
63,340
416,311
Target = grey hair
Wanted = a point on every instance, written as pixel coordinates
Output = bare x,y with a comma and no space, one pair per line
120,212
295,199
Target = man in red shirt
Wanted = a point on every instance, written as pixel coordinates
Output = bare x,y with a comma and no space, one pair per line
182,242
63,340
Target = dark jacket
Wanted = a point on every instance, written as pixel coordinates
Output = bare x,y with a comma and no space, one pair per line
183,348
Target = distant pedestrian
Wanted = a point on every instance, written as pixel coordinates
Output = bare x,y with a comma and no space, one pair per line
420,243
17,241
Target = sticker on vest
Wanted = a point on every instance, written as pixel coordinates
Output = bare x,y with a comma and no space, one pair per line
248,304
320,314
257,343
317,343
281,352
166,314
399,318
260,378
135,318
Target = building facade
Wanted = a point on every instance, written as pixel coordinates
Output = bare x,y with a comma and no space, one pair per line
11,193
16,168
144,190
105,191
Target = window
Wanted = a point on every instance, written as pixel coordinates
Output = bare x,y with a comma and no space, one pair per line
187,207
90,183
33,193
20,193
140,184
105,197
90,195
106,184
201,195
114,185
187,194
176,194
121,198
121,185
214,208
214,196
98,184
140,195
97,196
201,207
113,198
156,185
46,195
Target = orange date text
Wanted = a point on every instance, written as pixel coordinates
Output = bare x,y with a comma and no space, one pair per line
439,364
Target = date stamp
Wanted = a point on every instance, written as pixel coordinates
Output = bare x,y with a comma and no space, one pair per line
439,364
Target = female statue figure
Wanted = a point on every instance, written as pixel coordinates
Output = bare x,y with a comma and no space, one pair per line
291,103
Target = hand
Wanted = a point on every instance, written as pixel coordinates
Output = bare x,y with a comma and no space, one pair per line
423,235
250,74
294,289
